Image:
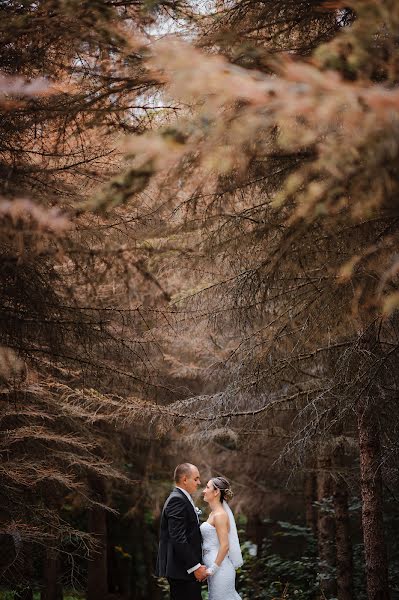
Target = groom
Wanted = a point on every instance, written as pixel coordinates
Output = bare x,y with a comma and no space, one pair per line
179,552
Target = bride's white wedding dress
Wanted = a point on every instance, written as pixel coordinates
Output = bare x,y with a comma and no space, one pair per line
221,585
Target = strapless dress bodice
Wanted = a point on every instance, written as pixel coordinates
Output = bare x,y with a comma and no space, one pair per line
210,543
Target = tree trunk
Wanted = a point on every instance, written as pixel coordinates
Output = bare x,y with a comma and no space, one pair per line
97,580
24,590
372,503
325,525
343,541
153,590
310,493
52,588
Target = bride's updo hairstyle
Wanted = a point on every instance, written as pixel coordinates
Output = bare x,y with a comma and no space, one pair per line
222,484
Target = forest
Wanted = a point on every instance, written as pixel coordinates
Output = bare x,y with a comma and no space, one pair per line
198,264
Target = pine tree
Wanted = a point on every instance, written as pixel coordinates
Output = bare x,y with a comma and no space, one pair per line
286,184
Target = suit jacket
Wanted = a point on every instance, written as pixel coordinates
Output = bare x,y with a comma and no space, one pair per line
180,538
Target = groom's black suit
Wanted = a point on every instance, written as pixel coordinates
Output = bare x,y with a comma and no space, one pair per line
179,547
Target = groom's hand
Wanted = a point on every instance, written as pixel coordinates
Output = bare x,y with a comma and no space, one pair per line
201,573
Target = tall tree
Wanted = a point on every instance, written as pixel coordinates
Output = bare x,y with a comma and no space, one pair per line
287,184
71,328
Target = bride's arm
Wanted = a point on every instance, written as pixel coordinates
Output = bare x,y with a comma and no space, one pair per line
222,530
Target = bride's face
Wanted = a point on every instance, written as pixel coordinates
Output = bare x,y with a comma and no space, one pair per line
209,492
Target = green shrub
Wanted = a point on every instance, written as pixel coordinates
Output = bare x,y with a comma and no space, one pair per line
271,576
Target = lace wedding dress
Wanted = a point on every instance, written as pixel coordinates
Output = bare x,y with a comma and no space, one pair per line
221,585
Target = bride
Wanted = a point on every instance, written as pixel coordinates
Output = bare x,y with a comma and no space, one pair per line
220,543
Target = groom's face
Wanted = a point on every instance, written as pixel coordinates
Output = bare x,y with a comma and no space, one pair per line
192,481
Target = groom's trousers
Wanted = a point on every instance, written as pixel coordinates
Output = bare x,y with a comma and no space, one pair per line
180,589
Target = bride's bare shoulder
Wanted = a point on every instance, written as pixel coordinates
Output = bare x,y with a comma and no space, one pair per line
221,517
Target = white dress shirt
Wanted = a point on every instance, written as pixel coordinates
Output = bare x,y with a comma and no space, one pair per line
192,502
